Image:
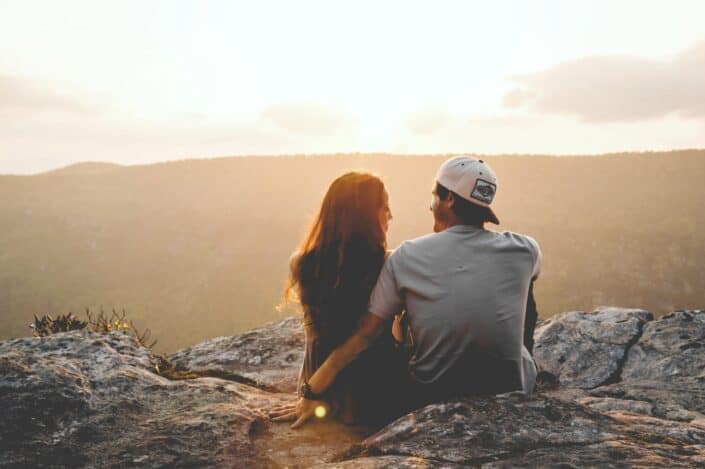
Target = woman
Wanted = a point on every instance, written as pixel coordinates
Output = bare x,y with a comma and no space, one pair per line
332,275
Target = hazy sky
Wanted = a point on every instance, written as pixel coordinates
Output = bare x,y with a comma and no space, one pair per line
143,81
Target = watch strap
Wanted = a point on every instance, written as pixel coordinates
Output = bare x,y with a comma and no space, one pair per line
307,393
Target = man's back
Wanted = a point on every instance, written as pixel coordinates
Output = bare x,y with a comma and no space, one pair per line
465,291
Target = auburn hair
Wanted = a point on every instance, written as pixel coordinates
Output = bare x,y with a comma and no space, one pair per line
346,227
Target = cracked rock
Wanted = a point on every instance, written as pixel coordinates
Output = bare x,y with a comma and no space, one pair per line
475,430
673,346
511,430
666,368
82,399
587,350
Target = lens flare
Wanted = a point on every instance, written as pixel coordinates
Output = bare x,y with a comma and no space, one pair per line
320,411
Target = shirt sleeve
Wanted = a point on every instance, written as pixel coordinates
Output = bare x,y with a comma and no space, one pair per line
386,300
538,256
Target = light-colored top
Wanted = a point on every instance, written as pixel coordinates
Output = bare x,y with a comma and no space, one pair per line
464,288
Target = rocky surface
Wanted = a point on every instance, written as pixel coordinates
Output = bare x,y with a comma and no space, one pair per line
670,348
510,430
80,398
666,368
617,389
269,357
587,350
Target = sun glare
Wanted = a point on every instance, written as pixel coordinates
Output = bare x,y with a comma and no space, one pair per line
322,77
320,412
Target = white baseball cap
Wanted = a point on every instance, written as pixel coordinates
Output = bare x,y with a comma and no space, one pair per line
471,179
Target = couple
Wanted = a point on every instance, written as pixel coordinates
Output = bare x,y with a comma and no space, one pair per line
447,314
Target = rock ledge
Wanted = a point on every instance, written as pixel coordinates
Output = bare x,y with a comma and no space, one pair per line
618,388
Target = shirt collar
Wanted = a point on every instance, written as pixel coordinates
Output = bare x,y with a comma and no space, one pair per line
464,229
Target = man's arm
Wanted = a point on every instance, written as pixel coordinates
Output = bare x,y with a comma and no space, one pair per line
531,313
386,301
530,320
369,328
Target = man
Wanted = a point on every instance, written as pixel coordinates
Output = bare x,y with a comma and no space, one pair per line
465,291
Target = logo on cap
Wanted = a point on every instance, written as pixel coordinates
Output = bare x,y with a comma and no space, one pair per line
483,191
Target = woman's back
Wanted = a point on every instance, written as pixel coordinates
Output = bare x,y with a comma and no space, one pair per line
332,276
333,296
333,305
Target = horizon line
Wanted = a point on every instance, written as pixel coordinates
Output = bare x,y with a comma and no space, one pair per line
356,154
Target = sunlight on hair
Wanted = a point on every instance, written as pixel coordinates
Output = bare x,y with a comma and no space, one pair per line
320,411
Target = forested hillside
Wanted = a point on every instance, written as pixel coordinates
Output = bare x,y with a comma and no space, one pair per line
199,248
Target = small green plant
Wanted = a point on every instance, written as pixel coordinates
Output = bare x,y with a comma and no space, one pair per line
47,324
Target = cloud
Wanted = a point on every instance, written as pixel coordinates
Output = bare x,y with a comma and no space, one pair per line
55,139
308,118
616,88
26,96
428,121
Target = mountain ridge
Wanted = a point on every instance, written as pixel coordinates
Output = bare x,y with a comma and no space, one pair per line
198,248
78,167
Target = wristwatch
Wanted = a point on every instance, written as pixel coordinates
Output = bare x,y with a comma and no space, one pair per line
306,393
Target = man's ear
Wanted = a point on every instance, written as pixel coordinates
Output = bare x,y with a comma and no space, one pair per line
451,199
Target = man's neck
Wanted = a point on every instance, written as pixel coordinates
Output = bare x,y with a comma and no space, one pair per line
460,222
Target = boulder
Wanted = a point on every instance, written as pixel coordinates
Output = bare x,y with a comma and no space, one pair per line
512,430
672,347
477,430
86,399
269,357
384,462
666,368
619,388
679,399
587,350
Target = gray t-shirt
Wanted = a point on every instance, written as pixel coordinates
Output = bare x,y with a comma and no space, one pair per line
464,288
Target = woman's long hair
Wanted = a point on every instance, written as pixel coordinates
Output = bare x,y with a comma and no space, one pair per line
347,225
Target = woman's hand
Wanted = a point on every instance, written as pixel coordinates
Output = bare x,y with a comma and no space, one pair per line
301,411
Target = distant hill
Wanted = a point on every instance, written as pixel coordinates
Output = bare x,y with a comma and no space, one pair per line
88,167
199,248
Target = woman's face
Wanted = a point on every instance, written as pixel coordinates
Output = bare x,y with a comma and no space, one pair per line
385,213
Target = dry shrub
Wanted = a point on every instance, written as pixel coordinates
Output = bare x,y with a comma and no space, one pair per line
100,323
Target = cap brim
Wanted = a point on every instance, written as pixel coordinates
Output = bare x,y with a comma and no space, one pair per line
493,216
